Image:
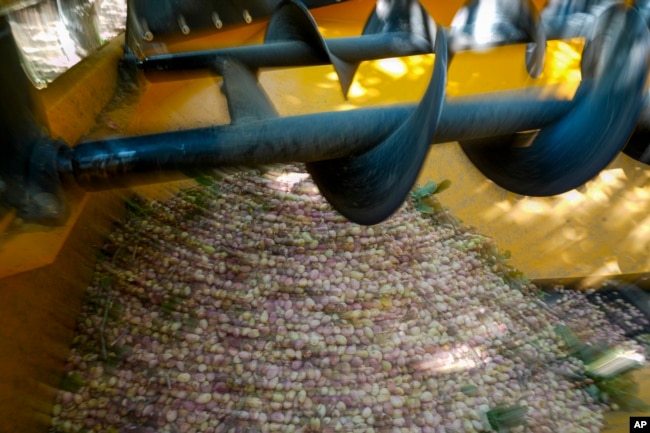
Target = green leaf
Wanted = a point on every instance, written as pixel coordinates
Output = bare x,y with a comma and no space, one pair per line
423,207
106,281
191,322
115,310
135,208
469,390
421,194
424,191
112,362
169,306
571,340
72,382
594,392
100,257
203,180
643,338
502,418
589,353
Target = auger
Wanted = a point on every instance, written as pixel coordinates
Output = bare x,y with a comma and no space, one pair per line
366,166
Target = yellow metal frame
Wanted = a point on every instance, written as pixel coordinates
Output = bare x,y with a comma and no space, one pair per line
599,230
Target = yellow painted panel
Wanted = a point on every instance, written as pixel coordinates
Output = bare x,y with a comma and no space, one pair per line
44,270
38,310
68,107
600,229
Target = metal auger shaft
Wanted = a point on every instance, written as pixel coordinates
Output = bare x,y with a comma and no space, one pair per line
299,53
294,53
119,162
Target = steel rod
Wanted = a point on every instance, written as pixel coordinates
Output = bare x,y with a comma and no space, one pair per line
121,162
293,53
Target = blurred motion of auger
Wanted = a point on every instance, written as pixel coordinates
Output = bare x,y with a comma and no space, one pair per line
368,163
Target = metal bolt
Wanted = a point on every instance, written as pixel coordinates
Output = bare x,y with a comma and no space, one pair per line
217,20
185,29
147,35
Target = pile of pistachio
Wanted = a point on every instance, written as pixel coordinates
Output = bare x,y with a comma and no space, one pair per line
246,304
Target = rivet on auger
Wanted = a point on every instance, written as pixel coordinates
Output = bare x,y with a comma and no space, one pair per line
247,16
216,20
182,24
146,33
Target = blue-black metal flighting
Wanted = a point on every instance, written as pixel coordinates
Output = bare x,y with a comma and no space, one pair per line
390,16
638,147
572,151
292,21
481,24
405,17
367,188
643,6
566,19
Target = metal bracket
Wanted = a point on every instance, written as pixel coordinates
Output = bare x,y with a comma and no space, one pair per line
29,180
